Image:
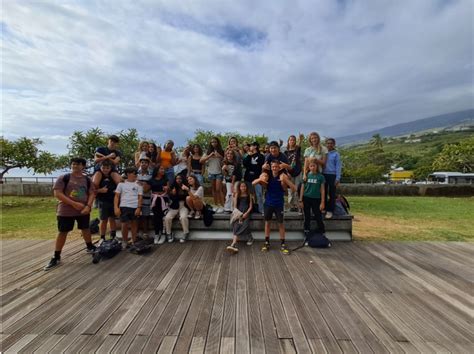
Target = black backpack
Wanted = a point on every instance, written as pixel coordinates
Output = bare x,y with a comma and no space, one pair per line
67,178
141,247
318,240
107,249
94,226
207,215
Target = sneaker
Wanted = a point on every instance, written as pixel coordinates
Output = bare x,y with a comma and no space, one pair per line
91,250
220,210
227,211
125,245
145,236
52,263
162,239
232,249
250,241
198,215
266,247
184,238
170,237
156,239
328,215
306,244
191,215
284,249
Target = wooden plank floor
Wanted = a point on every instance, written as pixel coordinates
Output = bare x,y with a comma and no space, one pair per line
356,297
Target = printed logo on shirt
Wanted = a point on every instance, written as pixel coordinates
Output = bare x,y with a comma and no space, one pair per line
78,193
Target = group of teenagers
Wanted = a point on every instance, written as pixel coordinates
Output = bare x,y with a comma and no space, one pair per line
165,184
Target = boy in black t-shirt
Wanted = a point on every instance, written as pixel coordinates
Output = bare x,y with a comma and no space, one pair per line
109,153
105,187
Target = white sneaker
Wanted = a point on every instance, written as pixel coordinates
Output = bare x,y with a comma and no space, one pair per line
220,210
191,214
161,239
198,215
328,215
170,237
157,239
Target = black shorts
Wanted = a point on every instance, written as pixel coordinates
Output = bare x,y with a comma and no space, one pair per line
269,210
66,223
127,214
106,210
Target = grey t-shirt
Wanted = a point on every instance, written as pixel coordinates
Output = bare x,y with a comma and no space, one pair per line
129,192
214,165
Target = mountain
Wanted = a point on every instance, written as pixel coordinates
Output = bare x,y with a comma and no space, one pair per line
444,121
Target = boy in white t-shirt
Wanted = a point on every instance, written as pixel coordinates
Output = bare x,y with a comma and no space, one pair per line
128,204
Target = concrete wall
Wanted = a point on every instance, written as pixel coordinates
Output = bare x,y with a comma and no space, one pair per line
466,190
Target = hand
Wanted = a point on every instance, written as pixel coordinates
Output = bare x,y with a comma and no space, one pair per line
185,188
117,212
266,166
78,206
138,211
322,207
305,178
300,203
86,210
103,190
337,183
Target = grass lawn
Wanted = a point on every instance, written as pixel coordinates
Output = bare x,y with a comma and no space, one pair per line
413,218
375,218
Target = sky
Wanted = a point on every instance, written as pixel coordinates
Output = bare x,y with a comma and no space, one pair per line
268,67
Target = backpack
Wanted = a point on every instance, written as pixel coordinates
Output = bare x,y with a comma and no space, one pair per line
107,249
318,240
67,178
207,215
343,202
141,247
94,226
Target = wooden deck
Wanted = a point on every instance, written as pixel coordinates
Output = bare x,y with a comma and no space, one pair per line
355,297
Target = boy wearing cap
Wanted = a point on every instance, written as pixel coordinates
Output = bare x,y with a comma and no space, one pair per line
276,155
276,183
110,153
144,175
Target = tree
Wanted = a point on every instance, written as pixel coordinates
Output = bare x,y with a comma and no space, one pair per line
24,153
203,137
84,144
376,141
456,157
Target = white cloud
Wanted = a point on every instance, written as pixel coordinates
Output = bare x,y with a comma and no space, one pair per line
168,68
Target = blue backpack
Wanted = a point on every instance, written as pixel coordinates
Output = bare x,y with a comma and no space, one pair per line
318,240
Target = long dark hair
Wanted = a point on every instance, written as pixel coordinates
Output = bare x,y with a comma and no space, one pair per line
219,149
199,149
154,154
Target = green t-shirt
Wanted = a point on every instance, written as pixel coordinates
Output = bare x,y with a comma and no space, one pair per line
312,187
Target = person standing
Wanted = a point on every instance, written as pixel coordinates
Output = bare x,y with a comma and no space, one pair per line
293,154
75,193
332,174
277,184
213,158
315,152
253,163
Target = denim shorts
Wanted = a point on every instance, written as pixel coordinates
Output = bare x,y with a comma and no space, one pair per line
214,176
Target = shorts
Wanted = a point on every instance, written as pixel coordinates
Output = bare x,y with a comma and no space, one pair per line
106,210
66,223
127,214
146,210
269,210
215,176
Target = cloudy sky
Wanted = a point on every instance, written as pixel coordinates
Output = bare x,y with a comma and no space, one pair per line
168,68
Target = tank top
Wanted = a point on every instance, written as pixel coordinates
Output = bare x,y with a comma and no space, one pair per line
275,192
165,159
196,165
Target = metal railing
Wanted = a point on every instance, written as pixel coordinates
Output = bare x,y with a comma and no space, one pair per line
36,180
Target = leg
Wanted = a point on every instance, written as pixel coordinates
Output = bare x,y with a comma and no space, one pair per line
215,195
259,195
318,216
86,235
281,229
60,241
190,203
228,197
134,229
103,227
113,226
307,214
330,192
116,177
169,220
125,225
183,218
158,218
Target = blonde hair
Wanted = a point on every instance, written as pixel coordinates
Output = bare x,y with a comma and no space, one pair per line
141,144
319,147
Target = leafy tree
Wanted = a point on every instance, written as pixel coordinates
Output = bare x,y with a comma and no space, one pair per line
84,144
203,137
456,157
376,141
25,153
